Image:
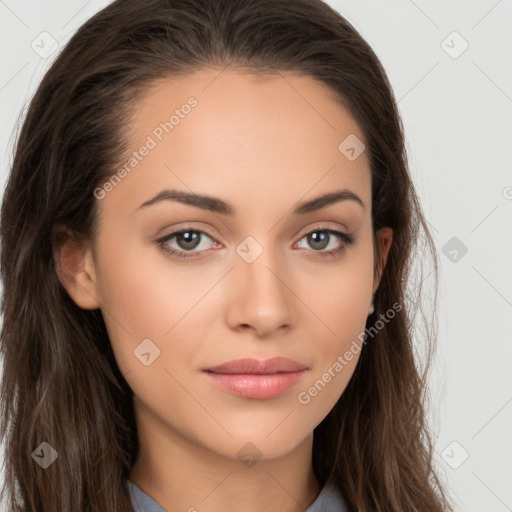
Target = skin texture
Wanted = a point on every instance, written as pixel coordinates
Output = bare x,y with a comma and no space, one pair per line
263,144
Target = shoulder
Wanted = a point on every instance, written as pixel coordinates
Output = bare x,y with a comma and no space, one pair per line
141,502
330,499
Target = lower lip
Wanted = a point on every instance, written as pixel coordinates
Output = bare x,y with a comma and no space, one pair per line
257,387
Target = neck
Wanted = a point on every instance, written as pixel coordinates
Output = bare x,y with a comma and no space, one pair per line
180,474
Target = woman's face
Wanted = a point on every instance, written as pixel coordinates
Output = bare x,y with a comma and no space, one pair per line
257,273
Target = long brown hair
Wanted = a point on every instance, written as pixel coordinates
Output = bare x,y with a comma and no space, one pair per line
60,382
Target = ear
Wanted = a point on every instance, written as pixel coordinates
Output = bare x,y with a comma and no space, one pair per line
75,269
384,239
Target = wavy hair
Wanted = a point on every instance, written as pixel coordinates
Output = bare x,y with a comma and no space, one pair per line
61,383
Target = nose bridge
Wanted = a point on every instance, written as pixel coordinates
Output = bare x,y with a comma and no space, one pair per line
261,298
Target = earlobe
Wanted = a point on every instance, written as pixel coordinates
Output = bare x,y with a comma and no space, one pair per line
384,238
75,269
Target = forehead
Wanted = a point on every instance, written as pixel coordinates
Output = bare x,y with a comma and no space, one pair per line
226,131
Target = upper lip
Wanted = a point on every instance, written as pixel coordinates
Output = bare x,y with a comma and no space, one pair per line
255,366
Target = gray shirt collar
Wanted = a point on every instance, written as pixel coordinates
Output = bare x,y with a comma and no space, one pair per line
329,500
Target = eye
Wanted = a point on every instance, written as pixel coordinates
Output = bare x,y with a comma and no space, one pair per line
188,243
187,240
323,237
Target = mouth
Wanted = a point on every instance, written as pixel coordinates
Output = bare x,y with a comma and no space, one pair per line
257,367
257,380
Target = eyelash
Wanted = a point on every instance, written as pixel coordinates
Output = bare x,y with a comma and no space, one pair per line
345,237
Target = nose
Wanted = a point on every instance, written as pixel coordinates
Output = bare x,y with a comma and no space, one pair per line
260,299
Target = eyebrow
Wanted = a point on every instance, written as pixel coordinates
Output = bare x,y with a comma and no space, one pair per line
217,205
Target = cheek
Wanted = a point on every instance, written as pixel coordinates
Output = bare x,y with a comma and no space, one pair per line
144,292
341,301
146,297
340,296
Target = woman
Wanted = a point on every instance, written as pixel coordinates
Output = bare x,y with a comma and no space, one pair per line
207,233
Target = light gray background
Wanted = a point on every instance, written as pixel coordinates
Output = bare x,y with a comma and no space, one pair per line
457,112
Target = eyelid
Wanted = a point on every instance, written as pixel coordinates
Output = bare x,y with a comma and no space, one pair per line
187,227
321,226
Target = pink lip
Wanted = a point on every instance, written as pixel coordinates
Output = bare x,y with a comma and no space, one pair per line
260,380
